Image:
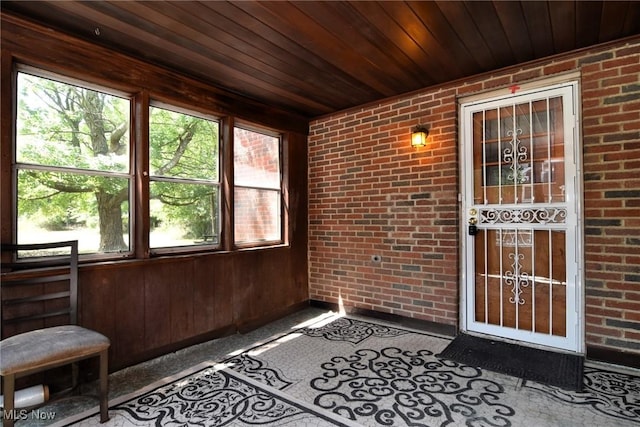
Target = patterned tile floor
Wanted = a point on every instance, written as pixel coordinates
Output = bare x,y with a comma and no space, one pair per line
368,373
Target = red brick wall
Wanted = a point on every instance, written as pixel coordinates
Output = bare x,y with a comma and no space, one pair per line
370,193
611,139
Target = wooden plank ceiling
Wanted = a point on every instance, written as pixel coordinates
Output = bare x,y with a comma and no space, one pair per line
314,58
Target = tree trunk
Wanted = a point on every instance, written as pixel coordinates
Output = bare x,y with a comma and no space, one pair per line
110,219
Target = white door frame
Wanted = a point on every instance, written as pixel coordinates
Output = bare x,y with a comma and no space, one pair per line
575,341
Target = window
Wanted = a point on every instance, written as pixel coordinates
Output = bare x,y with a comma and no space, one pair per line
257,195
75,169
72,165
184,179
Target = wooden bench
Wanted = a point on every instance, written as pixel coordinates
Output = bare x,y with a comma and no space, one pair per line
30,294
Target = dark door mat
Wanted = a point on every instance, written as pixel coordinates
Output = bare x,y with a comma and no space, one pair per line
547,367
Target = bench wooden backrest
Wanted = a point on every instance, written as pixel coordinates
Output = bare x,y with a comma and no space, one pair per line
38,291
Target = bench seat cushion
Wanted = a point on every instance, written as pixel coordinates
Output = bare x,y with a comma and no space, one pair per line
49,346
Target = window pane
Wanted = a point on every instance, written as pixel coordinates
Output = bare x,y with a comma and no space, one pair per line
64,125
61,125
54,206
182,146
257,215
183,214
256,159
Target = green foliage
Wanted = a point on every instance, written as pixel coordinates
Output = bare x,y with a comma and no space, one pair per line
56,210
76,131
185,148
82,134
182,146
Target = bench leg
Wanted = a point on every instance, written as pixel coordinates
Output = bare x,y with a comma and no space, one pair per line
75,375
104,386
8,390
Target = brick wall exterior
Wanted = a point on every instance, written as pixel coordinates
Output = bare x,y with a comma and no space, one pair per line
370,194
256,163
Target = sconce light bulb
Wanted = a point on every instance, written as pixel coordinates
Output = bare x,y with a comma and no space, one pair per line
419,136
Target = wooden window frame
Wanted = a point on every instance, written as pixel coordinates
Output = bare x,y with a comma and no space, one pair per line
139,211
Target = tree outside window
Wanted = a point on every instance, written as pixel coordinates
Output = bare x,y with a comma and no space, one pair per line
184,179
75,180
72,161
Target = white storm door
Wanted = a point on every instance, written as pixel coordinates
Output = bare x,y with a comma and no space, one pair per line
522,194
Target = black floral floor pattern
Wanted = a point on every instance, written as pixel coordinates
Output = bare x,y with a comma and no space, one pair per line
612,393
380,375
346,371
385,385
213,396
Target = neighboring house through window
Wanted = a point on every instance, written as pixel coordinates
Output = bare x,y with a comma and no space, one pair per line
258,195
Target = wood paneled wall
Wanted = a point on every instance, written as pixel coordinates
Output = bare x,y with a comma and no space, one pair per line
148,306
154,306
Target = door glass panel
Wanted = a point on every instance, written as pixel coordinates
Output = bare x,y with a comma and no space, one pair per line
518,153
520,279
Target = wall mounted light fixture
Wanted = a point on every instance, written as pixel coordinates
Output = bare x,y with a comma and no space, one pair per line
419,136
